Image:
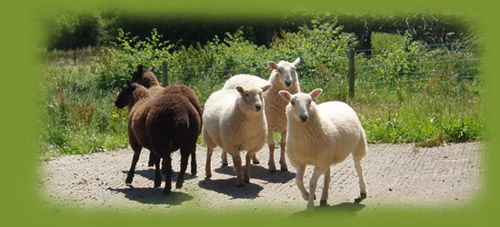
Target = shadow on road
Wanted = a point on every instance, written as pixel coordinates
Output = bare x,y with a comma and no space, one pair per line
342,210
153,195
150,174
259,172
228,187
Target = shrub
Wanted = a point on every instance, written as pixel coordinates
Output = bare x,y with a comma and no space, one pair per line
119,62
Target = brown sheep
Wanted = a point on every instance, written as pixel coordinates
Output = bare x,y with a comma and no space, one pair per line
148,79
162,124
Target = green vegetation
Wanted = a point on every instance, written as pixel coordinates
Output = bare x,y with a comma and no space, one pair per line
405,92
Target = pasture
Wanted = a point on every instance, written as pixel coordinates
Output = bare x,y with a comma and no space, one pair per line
405,92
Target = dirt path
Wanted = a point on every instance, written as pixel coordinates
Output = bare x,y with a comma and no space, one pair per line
396,175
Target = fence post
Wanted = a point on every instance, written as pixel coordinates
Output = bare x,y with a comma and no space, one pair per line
165,74
351,72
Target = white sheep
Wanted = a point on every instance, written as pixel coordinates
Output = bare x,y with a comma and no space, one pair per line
283,77
234,120
322,135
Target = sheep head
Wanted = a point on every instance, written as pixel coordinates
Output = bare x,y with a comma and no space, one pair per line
145,78
252,98
300,104
284,73
125,94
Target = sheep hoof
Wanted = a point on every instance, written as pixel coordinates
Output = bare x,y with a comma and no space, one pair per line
157,183
362,196
193,172
178,185
272,170
224,164
247,181
129,180
284,169
256,162
323,203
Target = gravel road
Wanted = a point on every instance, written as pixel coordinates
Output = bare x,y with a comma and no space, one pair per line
397,175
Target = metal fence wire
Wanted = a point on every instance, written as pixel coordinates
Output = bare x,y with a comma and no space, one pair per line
434,62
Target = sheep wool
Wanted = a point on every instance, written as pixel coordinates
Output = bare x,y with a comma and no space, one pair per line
322,135
234,120
162,124
283,77
148,79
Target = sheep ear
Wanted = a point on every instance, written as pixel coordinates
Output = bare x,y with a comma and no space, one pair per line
286,95
296,62
136,76
272,64
240,89
315,93
265,88
151,68
140,69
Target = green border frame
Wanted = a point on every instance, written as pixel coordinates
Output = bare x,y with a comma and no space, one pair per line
22,32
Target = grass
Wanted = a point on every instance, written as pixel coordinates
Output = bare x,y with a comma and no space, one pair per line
80,117
393,103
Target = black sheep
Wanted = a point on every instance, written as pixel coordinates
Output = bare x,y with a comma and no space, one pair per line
162,124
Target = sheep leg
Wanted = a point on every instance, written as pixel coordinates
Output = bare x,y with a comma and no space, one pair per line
299,180
255,160
184,163
167,163
208,163
248,158
131,171
237,168
362,186
324,195
283,147
193,163
223,156
270,142
152,159
157,172
312,186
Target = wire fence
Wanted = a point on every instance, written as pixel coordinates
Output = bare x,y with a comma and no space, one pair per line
395,65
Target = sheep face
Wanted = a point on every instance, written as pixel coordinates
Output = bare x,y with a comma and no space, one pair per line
285,74
252,98
300,104
125,93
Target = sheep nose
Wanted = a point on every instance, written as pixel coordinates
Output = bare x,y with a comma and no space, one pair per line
303,118
258,107
288,83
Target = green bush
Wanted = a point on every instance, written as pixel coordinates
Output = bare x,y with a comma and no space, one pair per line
73,31
119,62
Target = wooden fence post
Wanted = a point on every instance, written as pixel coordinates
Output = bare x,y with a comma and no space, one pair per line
165,74
351,72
